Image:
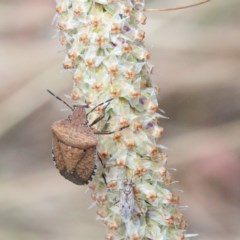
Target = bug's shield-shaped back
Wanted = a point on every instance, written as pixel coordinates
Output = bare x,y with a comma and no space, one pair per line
75,136
74,151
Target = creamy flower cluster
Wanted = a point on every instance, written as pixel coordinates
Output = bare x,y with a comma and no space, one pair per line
108,59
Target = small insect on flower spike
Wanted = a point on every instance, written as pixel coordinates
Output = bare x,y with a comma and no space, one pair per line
74,144
126,203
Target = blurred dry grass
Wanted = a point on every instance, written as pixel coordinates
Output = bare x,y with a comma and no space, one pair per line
197,58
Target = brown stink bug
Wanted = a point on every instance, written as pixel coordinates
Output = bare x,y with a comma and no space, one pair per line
74,143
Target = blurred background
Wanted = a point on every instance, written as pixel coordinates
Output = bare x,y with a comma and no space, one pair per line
196,53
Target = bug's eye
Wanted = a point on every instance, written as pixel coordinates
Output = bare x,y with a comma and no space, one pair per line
84,150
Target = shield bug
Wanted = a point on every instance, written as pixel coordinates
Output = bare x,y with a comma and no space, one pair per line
74,143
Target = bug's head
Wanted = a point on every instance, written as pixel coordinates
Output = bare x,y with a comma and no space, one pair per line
128,186
79,113
128,182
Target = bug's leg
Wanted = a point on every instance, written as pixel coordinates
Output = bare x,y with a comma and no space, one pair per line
103,174
58,98
104,178
99,118
109,100
100,159
110,132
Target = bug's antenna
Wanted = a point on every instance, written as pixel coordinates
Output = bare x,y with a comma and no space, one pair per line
175,8
60,99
